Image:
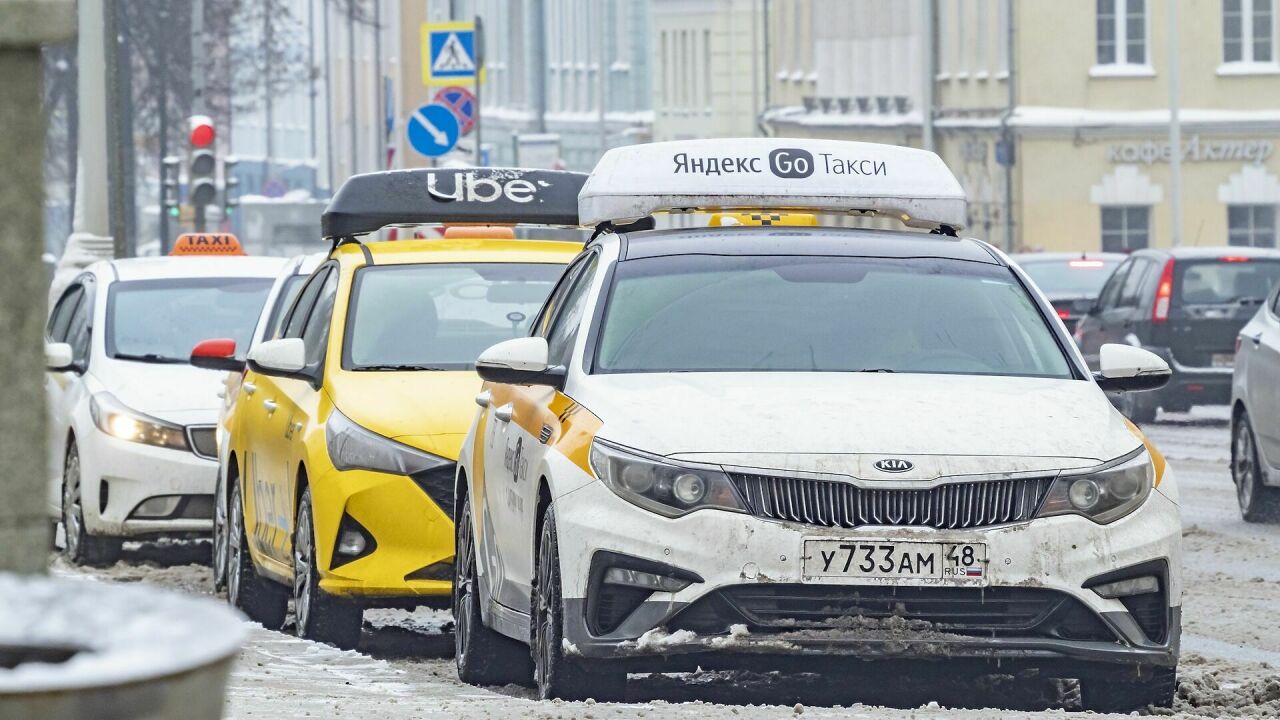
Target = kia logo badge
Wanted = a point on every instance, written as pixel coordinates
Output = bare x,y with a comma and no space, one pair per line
893,465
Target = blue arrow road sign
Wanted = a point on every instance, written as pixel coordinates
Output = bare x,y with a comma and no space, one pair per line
432,130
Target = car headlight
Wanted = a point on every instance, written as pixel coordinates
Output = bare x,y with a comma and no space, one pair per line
113,418
352,447
1103,495
655,484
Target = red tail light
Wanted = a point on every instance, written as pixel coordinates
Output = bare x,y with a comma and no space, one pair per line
1064,314
1238,339
1164,295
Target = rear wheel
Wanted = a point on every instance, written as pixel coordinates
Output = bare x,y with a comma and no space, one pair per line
320,616
221,545
79,547
1154,687
1258,503
484,656
558,676
263,601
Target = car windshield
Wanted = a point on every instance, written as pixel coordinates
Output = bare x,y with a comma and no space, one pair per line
1218,282
1082,277
160,321
440,316
700,313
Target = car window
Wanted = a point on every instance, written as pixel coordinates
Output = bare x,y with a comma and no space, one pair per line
1226,281
1110,296
61,316
440,315
567,318
708,313
543,321
1275,303
296,320
79,331
1080,277
1133,282
316,335
288,293
161,320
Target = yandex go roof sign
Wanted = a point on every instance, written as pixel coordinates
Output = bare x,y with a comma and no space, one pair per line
773,174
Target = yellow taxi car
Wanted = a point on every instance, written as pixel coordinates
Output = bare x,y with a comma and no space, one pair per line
340,471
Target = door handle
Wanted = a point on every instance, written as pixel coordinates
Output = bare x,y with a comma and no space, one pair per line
249,388
270,405
295,427
483,398
505,412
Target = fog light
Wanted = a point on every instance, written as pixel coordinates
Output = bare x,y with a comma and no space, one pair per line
1084,494
641,579
157,507
689,488
351,542
1132,586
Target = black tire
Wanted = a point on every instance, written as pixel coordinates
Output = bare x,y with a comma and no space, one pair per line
1258,503
1155,687
558,676
221,544
263,601
320,616
78,546
1140,407
484,656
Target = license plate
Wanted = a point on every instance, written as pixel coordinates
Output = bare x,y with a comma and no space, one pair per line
887,559
1223,360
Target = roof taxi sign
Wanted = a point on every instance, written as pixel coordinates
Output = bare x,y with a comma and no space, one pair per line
207,244
773,174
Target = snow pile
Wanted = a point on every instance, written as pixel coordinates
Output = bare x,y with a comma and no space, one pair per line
123,633
1208,691
658,638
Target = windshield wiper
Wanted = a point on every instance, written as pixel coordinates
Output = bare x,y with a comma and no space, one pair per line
150,358
406,366
871,370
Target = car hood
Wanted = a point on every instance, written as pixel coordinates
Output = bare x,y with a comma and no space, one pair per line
843,422
175,392
430,410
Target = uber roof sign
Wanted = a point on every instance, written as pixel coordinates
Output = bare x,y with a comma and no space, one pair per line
368,202
913,185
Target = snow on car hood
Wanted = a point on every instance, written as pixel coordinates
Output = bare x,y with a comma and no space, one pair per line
844,422
177,393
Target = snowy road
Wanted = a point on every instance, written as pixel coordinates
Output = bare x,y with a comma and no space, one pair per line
1230,667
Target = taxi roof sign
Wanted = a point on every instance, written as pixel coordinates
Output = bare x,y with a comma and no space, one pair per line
207,244
782,174
423,196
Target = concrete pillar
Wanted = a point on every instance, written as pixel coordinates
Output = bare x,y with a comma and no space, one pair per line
24,529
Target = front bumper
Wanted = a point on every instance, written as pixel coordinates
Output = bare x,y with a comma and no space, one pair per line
117,476
735,554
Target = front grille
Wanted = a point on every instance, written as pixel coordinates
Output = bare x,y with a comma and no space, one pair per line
840,504
999,611
203,441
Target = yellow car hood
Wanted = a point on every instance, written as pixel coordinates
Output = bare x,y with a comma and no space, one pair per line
426,409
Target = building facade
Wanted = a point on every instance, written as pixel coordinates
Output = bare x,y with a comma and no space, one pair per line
1075,155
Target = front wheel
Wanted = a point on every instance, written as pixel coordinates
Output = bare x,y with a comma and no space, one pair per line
320,616
78,546
484,656
558,676
1154,687
1258,503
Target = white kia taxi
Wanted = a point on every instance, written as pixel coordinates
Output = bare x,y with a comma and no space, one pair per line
132,449
750,445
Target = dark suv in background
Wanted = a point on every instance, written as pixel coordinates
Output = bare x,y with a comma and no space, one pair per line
1070,281
1186,305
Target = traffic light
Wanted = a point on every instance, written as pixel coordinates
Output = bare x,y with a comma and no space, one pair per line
202,190
170,198
230,187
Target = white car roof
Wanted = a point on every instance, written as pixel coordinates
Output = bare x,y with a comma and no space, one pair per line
155,268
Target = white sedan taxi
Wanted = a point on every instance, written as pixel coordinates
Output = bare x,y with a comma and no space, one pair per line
132,448
759,445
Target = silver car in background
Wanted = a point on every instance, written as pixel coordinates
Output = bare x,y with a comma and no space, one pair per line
1255,414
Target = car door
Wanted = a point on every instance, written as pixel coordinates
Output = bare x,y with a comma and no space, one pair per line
59,387
1264,379
267,483
518,425
1093,327
299,399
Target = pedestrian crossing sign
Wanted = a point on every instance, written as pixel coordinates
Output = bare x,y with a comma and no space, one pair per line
449,53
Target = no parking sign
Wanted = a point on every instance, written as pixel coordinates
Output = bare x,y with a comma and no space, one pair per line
463,104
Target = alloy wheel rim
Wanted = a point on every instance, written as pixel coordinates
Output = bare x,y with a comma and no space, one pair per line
220,543
544,612
72,523
464,598
302,571
233,554
1244,465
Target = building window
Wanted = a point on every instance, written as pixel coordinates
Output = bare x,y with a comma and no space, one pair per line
1251,225
1126,228
1248,31
1122,32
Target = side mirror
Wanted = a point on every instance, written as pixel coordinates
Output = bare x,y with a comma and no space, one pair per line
1125,368
285,357
216,354
59,357
520,361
